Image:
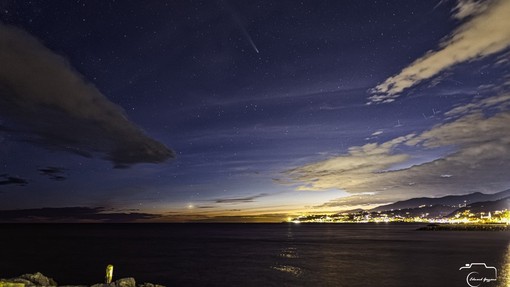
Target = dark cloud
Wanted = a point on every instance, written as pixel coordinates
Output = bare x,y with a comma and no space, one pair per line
44,101
54,173
71,214
12,180
241,199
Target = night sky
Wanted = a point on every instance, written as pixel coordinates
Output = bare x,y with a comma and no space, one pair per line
248,110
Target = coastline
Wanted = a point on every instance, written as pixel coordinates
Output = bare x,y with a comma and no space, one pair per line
465,227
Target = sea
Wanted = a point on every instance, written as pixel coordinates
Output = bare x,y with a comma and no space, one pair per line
284,254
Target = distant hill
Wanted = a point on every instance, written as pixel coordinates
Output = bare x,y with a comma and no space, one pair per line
456,201
486,206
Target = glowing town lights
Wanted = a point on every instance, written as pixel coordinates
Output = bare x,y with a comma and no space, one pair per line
497,217
506,216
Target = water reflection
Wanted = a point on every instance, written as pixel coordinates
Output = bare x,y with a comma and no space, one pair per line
286,256
504,279
289,252
296,271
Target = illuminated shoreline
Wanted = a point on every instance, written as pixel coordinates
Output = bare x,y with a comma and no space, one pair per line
465,217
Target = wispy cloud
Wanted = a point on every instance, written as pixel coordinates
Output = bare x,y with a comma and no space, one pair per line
484,33
478,161
5,179
72,214
466,8
500,102
48,103
54,173
246,199
376,133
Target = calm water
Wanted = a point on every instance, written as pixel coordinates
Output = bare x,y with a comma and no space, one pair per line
253,254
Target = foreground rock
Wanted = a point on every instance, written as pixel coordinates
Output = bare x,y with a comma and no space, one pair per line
39,280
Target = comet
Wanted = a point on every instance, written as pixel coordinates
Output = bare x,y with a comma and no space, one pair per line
248,37
239,23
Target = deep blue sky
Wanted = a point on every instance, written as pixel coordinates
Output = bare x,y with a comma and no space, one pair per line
272,109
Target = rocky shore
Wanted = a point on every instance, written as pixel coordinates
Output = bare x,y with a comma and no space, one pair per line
39,280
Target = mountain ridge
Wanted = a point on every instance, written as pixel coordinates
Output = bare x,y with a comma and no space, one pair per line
458,201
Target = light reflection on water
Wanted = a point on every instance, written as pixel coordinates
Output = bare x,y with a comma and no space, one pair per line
296,271
504,279
290,252
287,254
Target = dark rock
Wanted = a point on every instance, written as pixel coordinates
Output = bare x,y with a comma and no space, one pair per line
39,279
126,282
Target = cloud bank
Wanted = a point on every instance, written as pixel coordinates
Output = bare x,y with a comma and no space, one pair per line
484,33
46,102
479,160
349,171
72,214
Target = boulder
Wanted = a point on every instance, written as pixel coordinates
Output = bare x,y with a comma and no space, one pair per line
39,279
126,282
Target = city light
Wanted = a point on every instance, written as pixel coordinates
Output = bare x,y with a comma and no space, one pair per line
464,217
